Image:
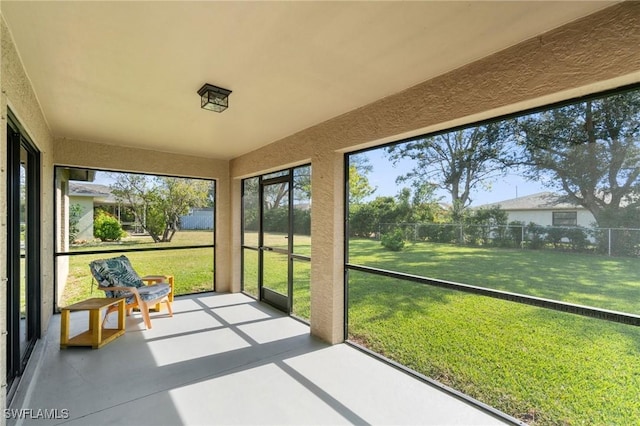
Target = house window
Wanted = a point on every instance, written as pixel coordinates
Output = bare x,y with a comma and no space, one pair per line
565,219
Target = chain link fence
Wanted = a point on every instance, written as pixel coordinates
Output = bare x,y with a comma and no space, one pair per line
609,241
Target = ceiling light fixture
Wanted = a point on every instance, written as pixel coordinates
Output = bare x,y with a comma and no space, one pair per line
214,98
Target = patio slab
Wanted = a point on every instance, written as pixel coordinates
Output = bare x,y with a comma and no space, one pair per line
225,359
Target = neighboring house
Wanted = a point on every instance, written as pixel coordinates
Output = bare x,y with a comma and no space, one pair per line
546,209
90,196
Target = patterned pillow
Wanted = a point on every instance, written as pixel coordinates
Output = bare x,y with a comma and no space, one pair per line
99,269
116,272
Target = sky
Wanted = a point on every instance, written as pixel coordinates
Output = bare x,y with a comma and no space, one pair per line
384,174
102,178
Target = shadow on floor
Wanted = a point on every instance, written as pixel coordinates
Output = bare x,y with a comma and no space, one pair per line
223,359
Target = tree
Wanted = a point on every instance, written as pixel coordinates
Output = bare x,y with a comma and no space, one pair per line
485,225
381,213
251,203
302,183
591,152
424,204
359,186
176,196
365,219
363,216
136,192
275,196
456,161
158,202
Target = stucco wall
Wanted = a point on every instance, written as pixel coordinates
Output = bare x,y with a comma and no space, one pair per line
85,222
17,94
595,53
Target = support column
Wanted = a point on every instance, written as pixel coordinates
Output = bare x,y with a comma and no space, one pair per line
223,224
235,265
327,248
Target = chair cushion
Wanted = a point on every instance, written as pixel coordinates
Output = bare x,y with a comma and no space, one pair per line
153,292
147,293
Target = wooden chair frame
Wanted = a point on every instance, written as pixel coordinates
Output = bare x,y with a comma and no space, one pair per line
139,303
119,271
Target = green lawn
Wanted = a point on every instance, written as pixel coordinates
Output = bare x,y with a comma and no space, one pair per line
180,238
542,366
593,280
192,268
276,269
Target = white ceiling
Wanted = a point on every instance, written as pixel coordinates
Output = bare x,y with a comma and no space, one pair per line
126,73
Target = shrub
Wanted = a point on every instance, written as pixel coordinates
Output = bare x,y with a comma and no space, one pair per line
302,222
276,219
624,242
393,240
555,236
537,235
516,232
363,221
578,238
439,232
107,227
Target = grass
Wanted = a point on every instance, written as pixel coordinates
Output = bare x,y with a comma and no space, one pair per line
180,238
276,270
600,281
541,366
192,269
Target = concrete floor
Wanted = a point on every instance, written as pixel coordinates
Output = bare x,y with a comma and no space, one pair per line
225,359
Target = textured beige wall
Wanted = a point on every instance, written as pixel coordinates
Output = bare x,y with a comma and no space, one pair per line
598,52
77,153
327,252
235,266
17,94
62,230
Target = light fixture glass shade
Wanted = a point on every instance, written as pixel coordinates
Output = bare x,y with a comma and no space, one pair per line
214,98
